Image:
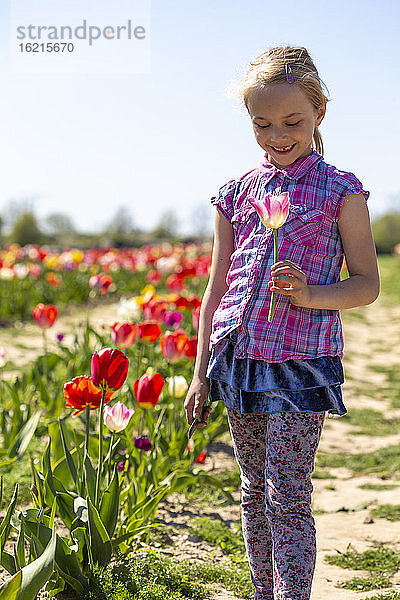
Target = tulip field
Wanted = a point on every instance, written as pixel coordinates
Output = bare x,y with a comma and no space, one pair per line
99,424
96,467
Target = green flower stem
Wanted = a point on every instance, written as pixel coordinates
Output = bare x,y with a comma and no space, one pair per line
100,463
140,434
87,426
172,375
44,337
109,457
273,297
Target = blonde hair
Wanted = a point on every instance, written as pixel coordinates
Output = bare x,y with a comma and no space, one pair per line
270,67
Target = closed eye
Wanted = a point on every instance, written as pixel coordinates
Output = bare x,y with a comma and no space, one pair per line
288,124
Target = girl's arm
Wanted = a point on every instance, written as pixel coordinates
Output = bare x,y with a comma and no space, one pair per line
362,286
216,287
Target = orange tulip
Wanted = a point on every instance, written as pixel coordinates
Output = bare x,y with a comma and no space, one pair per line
45,315
81,392
173,344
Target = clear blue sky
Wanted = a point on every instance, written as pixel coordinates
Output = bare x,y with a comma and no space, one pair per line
167,139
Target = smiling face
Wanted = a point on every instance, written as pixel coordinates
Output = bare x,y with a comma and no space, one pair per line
283,121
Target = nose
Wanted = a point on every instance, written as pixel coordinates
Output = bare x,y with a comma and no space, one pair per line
277,135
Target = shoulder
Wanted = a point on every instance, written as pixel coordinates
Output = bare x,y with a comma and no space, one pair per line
341,180
339,184
229,195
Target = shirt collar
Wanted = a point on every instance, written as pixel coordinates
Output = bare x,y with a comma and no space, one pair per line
294,171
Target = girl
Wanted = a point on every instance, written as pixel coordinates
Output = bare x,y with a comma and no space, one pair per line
277,379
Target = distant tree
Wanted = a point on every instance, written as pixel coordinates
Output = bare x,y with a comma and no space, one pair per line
167,226
121,223
58,224
25,230
386,230
201,220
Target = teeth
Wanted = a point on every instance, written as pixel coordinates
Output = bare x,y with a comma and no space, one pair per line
281,149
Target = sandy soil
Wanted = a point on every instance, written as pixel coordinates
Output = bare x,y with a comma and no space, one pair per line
369,341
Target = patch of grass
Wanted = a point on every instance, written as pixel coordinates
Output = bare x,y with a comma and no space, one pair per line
330,487
385,461
391,512
371,422
217,533
364,584
392,595
203,495
379,487
381,561
322,474
145,575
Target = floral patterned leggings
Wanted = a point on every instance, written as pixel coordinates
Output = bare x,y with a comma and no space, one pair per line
275,453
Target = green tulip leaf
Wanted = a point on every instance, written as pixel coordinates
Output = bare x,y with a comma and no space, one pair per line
9,590
110,504
100,543
24,436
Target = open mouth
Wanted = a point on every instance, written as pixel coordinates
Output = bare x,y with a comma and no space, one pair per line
283,149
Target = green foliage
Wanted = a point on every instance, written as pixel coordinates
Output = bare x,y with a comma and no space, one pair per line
364,584
146,575
371,422
26,230
379,487
386,231
217,533
392,595
380,561
385,461
391,512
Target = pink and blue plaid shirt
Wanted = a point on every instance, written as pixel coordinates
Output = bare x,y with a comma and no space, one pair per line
309,238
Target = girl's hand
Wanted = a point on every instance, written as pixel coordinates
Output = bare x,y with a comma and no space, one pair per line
195,398
290,280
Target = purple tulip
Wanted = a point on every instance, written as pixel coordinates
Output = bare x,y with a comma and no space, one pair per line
60,337
121,466
143,443
173,318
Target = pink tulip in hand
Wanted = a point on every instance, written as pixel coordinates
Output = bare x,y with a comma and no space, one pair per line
273,211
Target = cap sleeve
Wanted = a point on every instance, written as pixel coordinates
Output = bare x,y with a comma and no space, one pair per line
224,199
344,184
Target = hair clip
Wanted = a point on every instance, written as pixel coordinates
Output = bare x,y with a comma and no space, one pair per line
289,73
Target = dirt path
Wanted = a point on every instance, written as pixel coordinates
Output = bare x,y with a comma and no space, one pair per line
371,340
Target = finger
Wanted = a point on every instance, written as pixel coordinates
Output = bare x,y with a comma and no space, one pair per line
198,405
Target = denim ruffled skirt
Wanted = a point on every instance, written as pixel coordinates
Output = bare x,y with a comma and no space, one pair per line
258,387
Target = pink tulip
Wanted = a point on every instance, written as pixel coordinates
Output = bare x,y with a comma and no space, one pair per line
273,210
117,417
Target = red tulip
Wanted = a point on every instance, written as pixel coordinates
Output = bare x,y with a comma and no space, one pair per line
173,344
191,348
149,331
100,282
154,277
81,392
175,282
109,369
123,334
201,457
148,389
45,315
